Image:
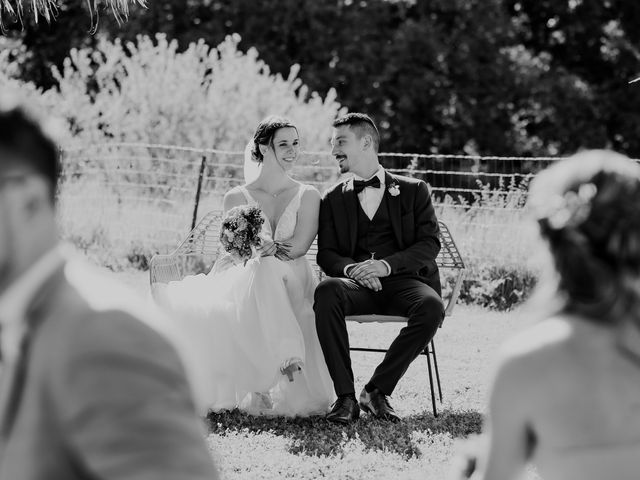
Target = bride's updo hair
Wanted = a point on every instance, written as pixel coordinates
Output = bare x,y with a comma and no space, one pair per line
264,134
588,209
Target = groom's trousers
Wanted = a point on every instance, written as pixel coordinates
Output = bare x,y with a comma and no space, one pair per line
335,298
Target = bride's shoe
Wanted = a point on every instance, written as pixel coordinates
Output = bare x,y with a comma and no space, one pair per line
261,401
290,366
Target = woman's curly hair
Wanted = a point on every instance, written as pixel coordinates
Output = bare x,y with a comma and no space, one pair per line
265,132
588,209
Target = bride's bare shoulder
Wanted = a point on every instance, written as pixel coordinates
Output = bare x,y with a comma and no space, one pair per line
309,191
531,358
557,344
549,334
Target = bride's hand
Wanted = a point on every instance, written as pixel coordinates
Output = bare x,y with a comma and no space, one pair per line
282,251
267,248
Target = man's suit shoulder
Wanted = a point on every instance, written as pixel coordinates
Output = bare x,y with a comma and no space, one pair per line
408,180
91,324
335,189
96,313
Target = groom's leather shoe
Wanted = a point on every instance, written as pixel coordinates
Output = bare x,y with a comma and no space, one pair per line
344,410
377,404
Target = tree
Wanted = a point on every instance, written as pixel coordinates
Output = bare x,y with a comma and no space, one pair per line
49,9
497,77
392,60
592,47
148,91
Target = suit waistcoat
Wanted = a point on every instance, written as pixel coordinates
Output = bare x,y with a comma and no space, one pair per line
375,235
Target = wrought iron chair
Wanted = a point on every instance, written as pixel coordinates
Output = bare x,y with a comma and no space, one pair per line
199,250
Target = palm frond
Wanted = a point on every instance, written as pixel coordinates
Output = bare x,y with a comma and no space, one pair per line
12,9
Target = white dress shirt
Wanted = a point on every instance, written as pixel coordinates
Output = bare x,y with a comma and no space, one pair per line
370,199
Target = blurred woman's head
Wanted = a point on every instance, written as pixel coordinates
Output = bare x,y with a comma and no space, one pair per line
588,210
276,137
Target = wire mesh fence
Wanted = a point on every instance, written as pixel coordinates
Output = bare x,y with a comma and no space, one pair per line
125,202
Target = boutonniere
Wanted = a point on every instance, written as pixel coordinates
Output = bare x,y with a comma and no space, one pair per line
394,189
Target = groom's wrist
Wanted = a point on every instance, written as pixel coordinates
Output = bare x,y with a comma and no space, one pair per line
386,264
347,268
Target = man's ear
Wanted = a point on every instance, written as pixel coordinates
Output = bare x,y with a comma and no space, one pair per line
367,142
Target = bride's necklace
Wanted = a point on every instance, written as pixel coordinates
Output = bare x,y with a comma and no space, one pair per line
278,192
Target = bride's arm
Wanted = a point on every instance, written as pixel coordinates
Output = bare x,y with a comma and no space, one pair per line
307,224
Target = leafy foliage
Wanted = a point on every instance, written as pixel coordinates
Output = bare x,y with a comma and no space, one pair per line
48,9
496,77
497,287
590,49
149,91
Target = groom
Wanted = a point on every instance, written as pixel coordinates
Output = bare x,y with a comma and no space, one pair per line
378,241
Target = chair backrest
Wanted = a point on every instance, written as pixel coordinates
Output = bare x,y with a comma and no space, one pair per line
449,258
199,250
204,239
449,255
195,254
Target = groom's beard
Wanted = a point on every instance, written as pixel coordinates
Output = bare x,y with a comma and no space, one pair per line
343,165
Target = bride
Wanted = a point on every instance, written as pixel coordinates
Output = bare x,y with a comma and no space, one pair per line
251,328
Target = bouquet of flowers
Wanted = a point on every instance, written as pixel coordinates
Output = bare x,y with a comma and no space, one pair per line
240,231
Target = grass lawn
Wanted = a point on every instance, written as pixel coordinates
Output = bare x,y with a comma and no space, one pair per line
421,446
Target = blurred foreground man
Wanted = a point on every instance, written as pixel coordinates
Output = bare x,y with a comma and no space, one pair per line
88,387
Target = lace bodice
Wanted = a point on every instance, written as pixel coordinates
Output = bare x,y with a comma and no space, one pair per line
287,222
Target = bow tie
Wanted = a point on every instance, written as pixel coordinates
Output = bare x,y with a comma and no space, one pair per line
359,185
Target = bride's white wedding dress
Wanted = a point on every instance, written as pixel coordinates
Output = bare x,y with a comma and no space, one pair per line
243,322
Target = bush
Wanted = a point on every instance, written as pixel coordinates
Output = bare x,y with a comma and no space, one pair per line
496,238
495,287
128,201
149,92
203,97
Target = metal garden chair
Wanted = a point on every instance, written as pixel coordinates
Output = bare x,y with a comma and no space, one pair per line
199,250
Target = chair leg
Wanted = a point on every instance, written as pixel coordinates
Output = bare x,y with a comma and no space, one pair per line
435,364
433,394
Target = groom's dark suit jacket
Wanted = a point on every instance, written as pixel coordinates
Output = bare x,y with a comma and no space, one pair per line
413,221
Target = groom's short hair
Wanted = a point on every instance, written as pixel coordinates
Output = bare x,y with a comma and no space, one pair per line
361,124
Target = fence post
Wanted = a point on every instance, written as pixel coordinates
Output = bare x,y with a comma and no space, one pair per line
203,163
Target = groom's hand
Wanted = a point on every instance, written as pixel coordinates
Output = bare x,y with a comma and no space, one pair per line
368,269
372,283
368,273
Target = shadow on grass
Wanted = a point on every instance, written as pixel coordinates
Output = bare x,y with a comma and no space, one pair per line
316,436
